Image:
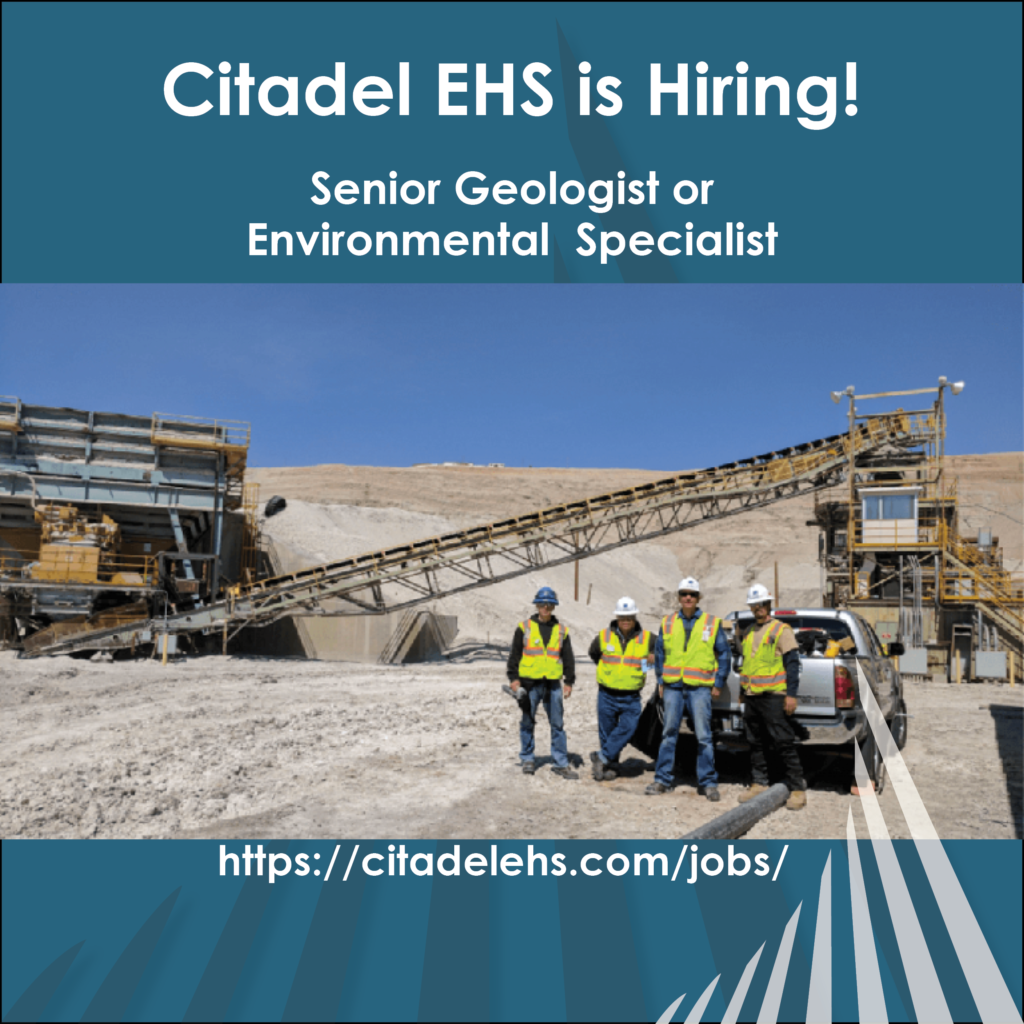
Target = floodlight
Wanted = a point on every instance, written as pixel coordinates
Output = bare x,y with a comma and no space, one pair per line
957,387
837,396
942,382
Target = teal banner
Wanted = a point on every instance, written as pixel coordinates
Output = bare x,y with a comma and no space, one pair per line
616,931
512,142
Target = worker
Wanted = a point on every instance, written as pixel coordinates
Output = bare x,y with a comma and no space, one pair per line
623,653
692,660
540,658
770,677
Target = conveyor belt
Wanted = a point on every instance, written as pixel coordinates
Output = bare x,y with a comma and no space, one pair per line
403,576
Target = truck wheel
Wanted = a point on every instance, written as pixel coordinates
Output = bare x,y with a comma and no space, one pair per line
898,727
873,761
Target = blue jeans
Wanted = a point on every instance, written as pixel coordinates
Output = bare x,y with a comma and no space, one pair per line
679,699
551,695
617,716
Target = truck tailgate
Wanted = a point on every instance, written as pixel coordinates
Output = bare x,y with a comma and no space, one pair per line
816,696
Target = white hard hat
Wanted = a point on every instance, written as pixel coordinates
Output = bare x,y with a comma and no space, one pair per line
758,593
689,584
625,608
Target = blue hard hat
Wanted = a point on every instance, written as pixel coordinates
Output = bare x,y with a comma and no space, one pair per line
546,596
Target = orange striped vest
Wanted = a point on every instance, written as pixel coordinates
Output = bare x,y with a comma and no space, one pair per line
621,669
763,671
693,663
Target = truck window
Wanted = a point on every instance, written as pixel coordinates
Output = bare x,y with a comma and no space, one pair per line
836,628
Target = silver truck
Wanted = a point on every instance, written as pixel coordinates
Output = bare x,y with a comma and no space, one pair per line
839,654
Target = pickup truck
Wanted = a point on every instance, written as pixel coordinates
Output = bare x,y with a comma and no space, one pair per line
839,654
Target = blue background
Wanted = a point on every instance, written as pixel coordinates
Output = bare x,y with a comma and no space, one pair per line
103,182
541,948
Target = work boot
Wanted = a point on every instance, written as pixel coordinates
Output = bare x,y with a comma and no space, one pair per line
602,772
711,792
656,789
797,800
565,773
754,790
529,768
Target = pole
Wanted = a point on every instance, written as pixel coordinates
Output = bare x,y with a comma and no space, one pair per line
899,635
163,660
851,521
219,494
577,591
778,600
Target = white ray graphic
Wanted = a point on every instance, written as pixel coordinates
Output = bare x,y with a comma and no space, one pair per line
693,1017
819,994
870,999
667,1015
732,1011
991,995
922,978
925,989
918,820
773,994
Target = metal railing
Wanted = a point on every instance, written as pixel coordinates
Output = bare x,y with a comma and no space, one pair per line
10,413
68,567
250,533
936,512
180,431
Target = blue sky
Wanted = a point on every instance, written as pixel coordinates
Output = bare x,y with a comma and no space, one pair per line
645,376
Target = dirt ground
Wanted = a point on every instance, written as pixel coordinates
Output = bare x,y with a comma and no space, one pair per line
235,747
256,747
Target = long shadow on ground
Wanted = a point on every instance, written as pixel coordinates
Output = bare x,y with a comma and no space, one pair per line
1009,722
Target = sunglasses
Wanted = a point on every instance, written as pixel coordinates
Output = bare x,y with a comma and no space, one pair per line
761,604
687,593
548,607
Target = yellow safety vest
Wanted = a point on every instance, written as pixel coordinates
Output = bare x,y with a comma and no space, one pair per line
621,669
538,661
763,671
694,663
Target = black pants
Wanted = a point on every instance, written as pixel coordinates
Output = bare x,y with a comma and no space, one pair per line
766,724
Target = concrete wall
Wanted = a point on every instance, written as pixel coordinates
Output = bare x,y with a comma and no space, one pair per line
343,638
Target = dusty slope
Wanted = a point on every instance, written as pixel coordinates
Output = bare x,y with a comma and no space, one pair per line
726,555
312,533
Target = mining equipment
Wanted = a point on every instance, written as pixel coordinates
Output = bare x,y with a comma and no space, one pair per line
887,462
108,519
891,548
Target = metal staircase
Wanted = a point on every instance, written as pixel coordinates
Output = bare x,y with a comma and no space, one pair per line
969,577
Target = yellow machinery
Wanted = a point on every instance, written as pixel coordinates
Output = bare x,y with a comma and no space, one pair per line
105,512
72,549
892,550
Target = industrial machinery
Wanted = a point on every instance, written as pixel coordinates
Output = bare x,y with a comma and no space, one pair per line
106,518
410,574
889,452
891,548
